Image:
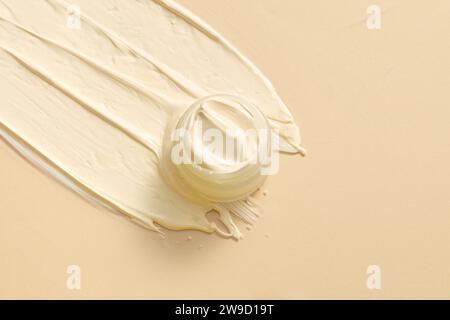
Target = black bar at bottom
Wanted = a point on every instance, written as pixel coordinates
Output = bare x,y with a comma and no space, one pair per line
223,309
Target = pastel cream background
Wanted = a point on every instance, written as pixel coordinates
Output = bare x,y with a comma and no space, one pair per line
374,107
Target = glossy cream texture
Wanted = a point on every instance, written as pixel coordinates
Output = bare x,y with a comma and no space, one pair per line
90,102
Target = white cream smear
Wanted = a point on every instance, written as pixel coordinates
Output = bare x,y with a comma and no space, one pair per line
92,104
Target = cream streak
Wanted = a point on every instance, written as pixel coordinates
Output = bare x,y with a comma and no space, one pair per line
92,105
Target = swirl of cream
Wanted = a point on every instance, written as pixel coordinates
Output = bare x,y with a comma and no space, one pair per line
211,151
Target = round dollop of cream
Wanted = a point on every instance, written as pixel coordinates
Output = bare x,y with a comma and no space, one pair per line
211,168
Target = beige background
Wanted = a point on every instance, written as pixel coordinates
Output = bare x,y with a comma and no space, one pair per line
375,188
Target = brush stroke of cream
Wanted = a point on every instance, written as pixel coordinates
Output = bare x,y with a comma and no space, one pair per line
90,104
